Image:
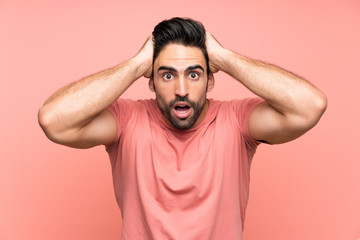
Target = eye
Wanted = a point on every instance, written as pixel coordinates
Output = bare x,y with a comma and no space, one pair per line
168,76
194,75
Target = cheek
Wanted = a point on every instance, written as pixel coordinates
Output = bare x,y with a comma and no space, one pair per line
165,90
198,91
161,102
163,97
164,94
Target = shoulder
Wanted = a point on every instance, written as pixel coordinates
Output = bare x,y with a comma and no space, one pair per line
232,118
124,110
127,113
128,105
237,106
246,104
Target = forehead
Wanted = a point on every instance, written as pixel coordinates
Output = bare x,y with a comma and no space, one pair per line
179,56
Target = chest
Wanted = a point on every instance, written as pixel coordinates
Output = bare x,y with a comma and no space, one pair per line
177,169
153,152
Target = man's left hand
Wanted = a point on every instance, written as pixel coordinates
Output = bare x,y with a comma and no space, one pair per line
215,52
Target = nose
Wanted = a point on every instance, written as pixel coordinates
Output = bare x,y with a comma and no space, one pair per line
181,87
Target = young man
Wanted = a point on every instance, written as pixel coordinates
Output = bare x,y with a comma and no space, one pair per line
181,162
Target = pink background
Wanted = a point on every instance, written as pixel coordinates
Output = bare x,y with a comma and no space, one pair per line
306,189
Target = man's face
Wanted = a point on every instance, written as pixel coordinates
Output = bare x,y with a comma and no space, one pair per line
180,83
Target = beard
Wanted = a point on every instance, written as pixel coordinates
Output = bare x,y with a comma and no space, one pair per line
181,123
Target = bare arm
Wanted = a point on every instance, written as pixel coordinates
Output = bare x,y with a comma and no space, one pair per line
76,115
292,106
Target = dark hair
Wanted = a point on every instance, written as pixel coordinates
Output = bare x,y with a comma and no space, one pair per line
185,31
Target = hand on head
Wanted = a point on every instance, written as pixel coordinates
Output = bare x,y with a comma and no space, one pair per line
215,50
145,56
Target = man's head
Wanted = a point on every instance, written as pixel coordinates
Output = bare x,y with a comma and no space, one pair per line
184,31
181,74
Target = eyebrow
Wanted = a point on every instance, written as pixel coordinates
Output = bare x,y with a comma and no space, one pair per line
167,68
171,69
190,68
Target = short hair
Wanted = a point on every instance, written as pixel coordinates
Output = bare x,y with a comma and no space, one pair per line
185,31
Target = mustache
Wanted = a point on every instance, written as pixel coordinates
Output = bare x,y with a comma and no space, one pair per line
182,99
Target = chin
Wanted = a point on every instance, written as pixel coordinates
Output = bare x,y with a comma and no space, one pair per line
183,124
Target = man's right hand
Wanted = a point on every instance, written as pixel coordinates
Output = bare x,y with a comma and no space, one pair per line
144,57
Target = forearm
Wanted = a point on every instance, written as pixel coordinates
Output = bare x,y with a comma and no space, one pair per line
289,94
75,105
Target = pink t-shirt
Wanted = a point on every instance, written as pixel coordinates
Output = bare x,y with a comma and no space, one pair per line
182,184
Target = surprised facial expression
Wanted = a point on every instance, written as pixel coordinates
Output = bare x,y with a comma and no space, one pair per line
180,83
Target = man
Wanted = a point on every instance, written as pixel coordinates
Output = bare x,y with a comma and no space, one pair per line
181,162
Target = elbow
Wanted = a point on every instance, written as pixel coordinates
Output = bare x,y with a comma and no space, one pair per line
46,122
54,129
320,105
318,108
43,119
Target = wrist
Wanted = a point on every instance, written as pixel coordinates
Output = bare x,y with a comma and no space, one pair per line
222,60
141,66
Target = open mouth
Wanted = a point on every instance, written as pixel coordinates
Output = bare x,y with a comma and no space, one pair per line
182,110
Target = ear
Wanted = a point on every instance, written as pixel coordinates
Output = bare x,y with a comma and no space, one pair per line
211,82
151,84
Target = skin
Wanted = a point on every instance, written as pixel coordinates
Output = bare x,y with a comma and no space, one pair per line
76,115
180,76
292,104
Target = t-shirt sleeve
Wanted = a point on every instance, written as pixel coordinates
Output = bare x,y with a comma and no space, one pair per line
243,110
121,109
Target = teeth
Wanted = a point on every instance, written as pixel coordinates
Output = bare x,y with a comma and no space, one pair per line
182,111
